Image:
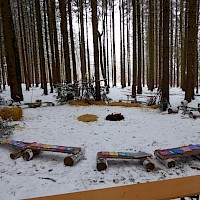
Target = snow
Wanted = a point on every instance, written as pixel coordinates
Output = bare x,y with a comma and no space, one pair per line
143,129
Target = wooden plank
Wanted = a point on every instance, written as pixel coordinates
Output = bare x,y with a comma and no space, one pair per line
159,190
192,151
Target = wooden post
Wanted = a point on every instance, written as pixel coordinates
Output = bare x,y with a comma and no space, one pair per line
172,110
16,154
167,162
194,114
102,164
71,159
148,165
27,154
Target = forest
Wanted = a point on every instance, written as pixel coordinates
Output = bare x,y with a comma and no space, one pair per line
133,43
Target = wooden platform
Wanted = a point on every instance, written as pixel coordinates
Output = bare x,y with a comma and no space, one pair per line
159,190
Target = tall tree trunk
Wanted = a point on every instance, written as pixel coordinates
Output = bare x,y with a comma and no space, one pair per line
31,40
184,59
143,45
82,45
196,49
161,44
88,50
51,36
181,42
176,60
107,45
41,46
25,40
72,42
12,54
139,88
171,46
1,57
28,13
114,50
128,44
53,21
151,45
123,49
121,52
96,50
134,50
47,47
23,59
104,42
111,46
191,55
156,44
165,82
1,66
101,55
64,31
35,45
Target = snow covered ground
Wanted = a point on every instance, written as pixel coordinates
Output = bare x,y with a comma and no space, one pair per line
143,129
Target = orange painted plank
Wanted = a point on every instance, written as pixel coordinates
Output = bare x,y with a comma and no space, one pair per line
159,190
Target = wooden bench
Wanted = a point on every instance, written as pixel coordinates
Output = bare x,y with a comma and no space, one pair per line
166,189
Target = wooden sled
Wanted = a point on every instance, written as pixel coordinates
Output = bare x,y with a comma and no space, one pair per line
167,156
29,150
102,158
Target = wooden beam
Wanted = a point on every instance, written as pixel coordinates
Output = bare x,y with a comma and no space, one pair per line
166,189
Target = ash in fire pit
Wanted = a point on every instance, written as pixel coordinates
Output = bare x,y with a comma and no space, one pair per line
115,117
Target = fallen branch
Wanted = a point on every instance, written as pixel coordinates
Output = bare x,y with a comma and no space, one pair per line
47,179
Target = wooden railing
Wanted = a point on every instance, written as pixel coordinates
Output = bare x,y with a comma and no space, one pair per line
159,190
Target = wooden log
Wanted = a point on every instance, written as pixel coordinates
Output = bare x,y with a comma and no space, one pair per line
194,114
72,159
167,162
197,156
28,154
102,164
16,154
172,110
148,165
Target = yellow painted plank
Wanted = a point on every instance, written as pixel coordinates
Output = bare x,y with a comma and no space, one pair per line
159,190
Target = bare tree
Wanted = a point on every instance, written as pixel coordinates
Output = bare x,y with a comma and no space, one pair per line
165,79
64,31
134,50
72,41
191,54
96,50
41,45
12,53
151,45
139,88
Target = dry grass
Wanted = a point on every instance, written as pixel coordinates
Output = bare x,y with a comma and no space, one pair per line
88,102
124,104
87,118
153,106
11,113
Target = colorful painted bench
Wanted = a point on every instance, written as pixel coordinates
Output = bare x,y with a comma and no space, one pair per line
28,150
